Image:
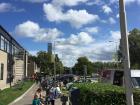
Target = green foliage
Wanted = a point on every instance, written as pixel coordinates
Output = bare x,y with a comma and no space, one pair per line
44,61
103,94
134,48
93,67
79,66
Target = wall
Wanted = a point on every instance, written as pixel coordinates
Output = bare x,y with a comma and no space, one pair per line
3,59
18,69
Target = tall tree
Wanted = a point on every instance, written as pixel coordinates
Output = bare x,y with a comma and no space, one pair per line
134,48
79,66
46,64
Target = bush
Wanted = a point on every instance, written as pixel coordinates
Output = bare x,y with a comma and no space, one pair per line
103,94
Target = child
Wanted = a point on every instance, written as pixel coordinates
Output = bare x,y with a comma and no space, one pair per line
36,100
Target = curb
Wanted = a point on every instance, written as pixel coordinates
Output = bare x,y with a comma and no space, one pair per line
20,97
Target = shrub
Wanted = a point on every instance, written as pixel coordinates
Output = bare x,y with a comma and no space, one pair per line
103,94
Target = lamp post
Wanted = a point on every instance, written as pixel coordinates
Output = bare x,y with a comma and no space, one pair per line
116,48
54,64
126,59
55,59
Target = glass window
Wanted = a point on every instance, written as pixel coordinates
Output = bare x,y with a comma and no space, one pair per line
13,50
8,48
1,71
2,43
5,45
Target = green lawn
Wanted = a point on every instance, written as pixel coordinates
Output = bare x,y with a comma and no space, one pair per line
10,94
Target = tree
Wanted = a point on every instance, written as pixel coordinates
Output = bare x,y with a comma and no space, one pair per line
44,61
79,66
134,48
59,65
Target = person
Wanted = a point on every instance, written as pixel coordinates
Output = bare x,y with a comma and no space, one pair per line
47,95
39,95
64,99
36,100
52,94
58,91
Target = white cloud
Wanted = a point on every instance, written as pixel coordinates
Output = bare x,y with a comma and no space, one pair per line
7,7
130,1
33,30
72,16
106,9
95,2
78,39
126,1
112,20
117,16
115,35
81,39
27,28
93,50
33,52
54,14
92,30
36,1
68,2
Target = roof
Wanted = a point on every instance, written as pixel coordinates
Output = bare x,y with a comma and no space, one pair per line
9,37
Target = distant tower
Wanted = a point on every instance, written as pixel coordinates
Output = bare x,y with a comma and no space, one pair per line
50,48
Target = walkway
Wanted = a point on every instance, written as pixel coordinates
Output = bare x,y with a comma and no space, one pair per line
27,99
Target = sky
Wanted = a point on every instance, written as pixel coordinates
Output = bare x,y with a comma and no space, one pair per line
75,27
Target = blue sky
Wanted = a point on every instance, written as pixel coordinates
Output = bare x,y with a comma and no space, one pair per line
79,27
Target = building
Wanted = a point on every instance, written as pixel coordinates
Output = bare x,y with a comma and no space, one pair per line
32,68
13,60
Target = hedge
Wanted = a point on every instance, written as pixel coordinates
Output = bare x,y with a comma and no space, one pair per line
103,94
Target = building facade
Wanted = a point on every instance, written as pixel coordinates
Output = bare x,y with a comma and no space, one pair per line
13,60
32,68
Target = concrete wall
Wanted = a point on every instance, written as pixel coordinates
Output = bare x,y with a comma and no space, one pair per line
3,59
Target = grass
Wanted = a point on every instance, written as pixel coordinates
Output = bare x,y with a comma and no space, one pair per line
10,94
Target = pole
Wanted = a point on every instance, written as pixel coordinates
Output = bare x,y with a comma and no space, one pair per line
125,46
116,56
85,72
54,64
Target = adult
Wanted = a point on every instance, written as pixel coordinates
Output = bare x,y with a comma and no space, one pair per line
58,91
52,94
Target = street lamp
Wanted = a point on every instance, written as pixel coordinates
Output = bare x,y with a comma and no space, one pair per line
116,45
54,63
116,49
55,59
126,59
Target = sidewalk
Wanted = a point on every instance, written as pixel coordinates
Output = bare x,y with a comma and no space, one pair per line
27,99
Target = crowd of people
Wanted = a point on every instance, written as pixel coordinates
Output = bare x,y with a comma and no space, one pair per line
52,91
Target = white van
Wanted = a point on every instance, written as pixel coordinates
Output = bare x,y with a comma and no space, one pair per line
116,77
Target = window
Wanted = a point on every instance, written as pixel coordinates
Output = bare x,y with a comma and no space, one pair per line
13,50
8,47
2,43
1,71
5,45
